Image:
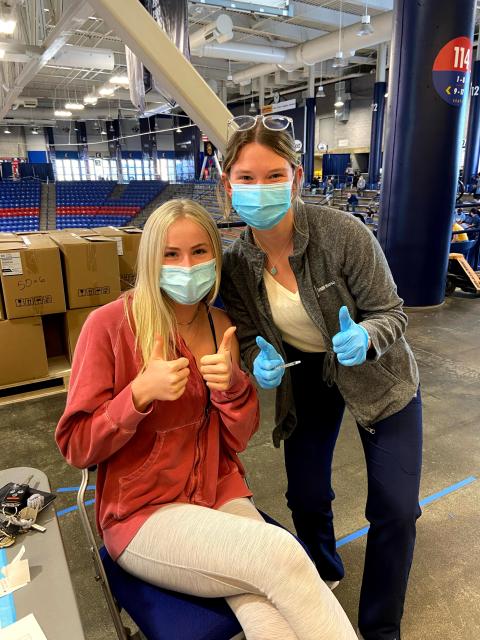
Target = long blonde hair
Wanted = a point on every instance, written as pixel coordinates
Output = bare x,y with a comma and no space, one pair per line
151,312
280,142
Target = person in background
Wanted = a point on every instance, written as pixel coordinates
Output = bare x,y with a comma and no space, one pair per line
349,173
471,219
459,237
157,400
352,202
311,284
361,184
329,190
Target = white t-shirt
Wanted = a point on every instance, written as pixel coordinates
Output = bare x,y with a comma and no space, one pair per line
290,317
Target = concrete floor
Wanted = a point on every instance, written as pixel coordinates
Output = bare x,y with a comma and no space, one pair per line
443,599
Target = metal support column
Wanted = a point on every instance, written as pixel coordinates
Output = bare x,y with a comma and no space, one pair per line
429,77
378,117
310,116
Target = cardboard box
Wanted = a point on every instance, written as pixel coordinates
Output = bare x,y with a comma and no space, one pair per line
7,235
74,321
23,351
31,277
80,231
90,269
128,241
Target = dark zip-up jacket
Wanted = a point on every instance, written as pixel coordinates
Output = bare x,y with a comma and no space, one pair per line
336,261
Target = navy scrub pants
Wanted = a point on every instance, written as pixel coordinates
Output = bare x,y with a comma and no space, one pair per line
393,457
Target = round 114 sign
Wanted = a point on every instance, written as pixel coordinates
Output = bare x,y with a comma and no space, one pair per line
451,71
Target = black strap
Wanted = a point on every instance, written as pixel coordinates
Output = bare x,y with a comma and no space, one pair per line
212,328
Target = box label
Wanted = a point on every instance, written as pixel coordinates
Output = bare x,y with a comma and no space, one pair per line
11,264
119,246
93,291
33,301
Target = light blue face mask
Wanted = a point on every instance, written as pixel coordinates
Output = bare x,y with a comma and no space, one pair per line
188,285
262,206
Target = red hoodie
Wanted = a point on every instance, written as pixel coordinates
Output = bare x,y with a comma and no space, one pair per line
177,451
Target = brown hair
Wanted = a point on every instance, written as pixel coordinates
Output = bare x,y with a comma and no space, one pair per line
280,142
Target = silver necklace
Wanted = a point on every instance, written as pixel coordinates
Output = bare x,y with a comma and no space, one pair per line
273,270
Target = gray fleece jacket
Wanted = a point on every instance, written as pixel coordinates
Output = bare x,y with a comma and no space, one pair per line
337,261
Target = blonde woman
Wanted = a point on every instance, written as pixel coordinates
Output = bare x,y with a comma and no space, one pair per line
158,401
311,284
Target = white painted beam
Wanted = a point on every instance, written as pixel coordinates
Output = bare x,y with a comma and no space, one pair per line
75,15
323,15
132,23
378,5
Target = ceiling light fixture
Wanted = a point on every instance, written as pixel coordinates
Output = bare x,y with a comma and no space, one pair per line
252,108
321,90
7,25
90,99
106,91
339,102
74,106
35,131
339,61
60,113
178,130
365,28
121,80
7,130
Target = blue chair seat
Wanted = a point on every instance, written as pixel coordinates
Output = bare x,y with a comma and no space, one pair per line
163,614
166,615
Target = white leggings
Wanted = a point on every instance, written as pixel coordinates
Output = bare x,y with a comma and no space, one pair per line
263,572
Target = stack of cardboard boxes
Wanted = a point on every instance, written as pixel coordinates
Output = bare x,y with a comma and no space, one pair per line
50,283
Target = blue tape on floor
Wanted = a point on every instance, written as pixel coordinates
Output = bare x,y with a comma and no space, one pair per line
8,614
91,487
62,512
445,492
425,501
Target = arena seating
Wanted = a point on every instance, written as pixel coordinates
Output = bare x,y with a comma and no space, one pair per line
20,205
92,204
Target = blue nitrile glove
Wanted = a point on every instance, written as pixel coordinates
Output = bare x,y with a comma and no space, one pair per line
351,342
264,365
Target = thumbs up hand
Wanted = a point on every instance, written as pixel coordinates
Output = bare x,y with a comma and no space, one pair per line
351,342
216,369
161,380
265,365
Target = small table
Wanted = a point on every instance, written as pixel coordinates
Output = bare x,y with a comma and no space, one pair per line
49,595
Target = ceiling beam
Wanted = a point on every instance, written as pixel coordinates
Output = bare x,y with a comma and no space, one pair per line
378,5
173,72
74,15
322,15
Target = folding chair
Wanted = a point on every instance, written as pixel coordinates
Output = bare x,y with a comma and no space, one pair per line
160,614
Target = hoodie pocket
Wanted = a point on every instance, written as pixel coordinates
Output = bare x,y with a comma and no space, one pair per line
137,486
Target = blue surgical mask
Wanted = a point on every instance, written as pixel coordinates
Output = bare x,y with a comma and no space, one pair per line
188,285
262,206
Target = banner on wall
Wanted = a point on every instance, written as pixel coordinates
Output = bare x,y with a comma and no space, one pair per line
280,106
